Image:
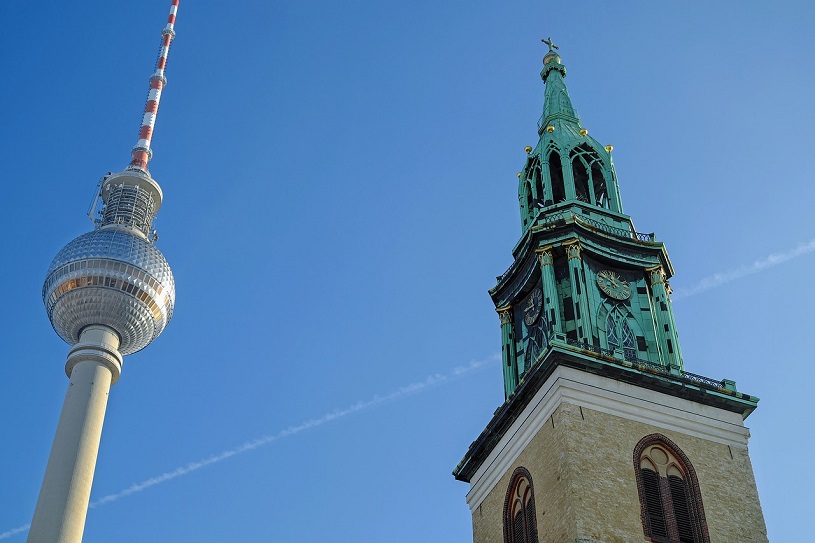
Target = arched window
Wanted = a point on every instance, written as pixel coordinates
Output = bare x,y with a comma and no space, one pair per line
556,177
670,501
530,205
612,336
530,191
580,173
599,183
538,183
519,510
523,198
589,181
619,334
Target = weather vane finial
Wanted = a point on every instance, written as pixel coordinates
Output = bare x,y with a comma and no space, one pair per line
550,43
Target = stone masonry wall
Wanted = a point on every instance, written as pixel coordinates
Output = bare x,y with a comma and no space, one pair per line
582,469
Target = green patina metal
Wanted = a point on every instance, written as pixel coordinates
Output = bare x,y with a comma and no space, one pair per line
604,286
585,289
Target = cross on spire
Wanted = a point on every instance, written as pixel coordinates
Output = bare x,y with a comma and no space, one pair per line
550,43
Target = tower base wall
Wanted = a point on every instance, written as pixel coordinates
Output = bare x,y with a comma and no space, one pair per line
577,439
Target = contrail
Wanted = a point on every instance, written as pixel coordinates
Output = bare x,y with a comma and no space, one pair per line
707,283
14,531
431,381
719,279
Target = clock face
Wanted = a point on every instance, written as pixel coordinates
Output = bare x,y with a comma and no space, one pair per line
532,328
532,306
613,285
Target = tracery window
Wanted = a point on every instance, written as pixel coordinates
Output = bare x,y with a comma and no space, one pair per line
534,178
619,333
611,332
530,205
525,201
670,501
520,525
531,191
587,172
555,168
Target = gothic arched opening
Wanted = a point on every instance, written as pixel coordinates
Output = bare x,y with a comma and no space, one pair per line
556,177
520,525
670,500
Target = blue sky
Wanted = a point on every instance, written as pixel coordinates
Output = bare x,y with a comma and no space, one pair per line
340,193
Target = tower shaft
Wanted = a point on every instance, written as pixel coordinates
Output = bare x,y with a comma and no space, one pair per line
93,365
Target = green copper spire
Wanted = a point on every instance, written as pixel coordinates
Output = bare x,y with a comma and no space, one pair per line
583,279
567,166
585,290
557,105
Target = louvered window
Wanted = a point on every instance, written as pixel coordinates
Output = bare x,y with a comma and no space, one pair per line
679,498
653,503
518,527
519,510
531,525
670,500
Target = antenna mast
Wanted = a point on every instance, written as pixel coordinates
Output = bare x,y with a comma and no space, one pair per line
142,153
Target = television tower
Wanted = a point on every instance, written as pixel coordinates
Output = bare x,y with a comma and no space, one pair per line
108,293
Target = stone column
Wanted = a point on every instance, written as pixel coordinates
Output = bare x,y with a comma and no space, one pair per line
663,319
93,365
550,297
508,355
579,296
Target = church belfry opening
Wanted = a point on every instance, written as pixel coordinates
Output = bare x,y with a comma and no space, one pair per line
593,370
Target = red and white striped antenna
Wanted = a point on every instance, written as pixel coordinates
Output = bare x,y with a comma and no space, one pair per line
142,153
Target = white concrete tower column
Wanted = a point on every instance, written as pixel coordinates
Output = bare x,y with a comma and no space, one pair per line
94,364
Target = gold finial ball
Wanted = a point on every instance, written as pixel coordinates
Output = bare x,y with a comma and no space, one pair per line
609,148
528,149
584,132
519,175
551,58
550,128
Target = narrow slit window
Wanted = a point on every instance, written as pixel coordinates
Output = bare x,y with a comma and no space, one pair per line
556,175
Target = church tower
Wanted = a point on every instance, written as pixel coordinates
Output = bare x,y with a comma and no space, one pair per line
603,437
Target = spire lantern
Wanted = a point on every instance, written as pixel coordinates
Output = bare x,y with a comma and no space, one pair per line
568,167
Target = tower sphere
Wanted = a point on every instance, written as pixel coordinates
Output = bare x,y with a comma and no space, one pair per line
113,277
551,56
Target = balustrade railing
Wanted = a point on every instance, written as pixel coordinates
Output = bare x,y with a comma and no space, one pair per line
614,231
551,219
702,380
647,365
